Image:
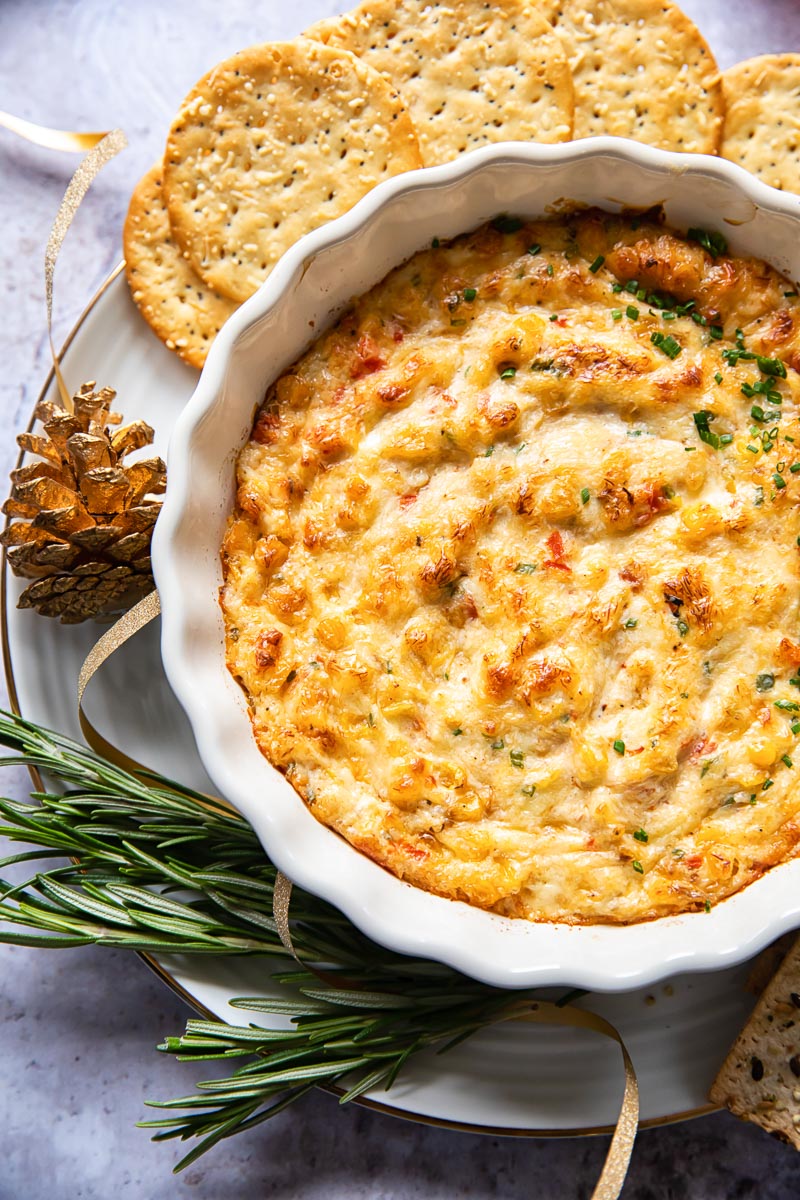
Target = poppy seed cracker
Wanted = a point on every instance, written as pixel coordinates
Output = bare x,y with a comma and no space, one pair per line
177,305
641,70
471,73
272,143
762,122
760,1079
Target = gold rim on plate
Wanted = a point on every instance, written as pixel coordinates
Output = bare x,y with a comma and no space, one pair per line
163,974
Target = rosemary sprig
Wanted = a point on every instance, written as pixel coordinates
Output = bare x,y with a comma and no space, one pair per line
358,1042
160,868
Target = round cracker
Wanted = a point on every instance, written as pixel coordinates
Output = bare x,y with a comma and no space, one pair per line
471,72
641,70
762,122
271,144
177,305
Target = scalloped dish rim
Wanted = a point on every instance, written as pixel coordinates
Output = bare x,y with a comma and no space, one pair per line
309,286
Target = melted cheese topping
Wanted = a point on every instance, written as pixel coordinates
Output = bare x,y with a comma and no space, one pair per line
503,617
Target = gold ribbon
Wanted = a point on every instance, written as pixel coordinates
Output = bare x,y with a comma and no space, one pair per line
540,1012
615,1168
51,139
109,146
102,147
142,613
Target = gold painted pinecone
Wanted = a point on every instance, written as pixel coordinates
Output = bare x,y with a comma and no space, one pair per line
81,522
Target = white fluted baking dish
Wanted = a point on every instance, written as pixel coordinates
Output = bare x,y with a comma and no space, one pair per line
308,288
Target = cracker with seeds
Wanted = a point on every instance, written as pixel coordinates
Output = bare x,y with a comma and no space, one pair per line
471,72
184,312
641,70
762,122
271,144
760,1079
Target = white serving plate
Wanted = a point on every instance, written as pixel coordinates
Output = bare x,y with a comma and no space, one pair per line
516,1079
311,284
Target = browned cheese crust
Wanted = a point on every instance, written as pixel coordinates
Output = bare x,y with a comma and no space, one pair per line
513,619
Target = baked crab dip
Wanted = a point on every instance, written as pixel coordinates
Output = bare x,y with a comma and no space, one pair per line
511,584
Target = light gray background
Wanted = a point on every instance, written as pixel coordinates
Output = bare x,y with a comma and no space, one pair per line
78,1027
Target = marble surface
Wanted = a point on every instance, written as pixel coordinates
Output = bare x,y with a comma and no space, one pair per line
79,1027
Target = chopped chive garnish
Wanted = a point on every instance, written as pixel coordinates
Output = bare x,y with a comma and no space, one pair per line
786,760
619,746
617,288
633,312
704,430
458,732
524,568
554,316
632,286
641,836
765,682
757,413
794,468
597,264
528,789
787,705
508,372
488,452
715,332
788,295
732,356
631,623
499,744
616,313
796,727
517,759
710,240
637,866
666,344
707,906
669,316
718,378
470,294
759,498
550,270
771,366
779,481
683,628
767,784
506,224
584,495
